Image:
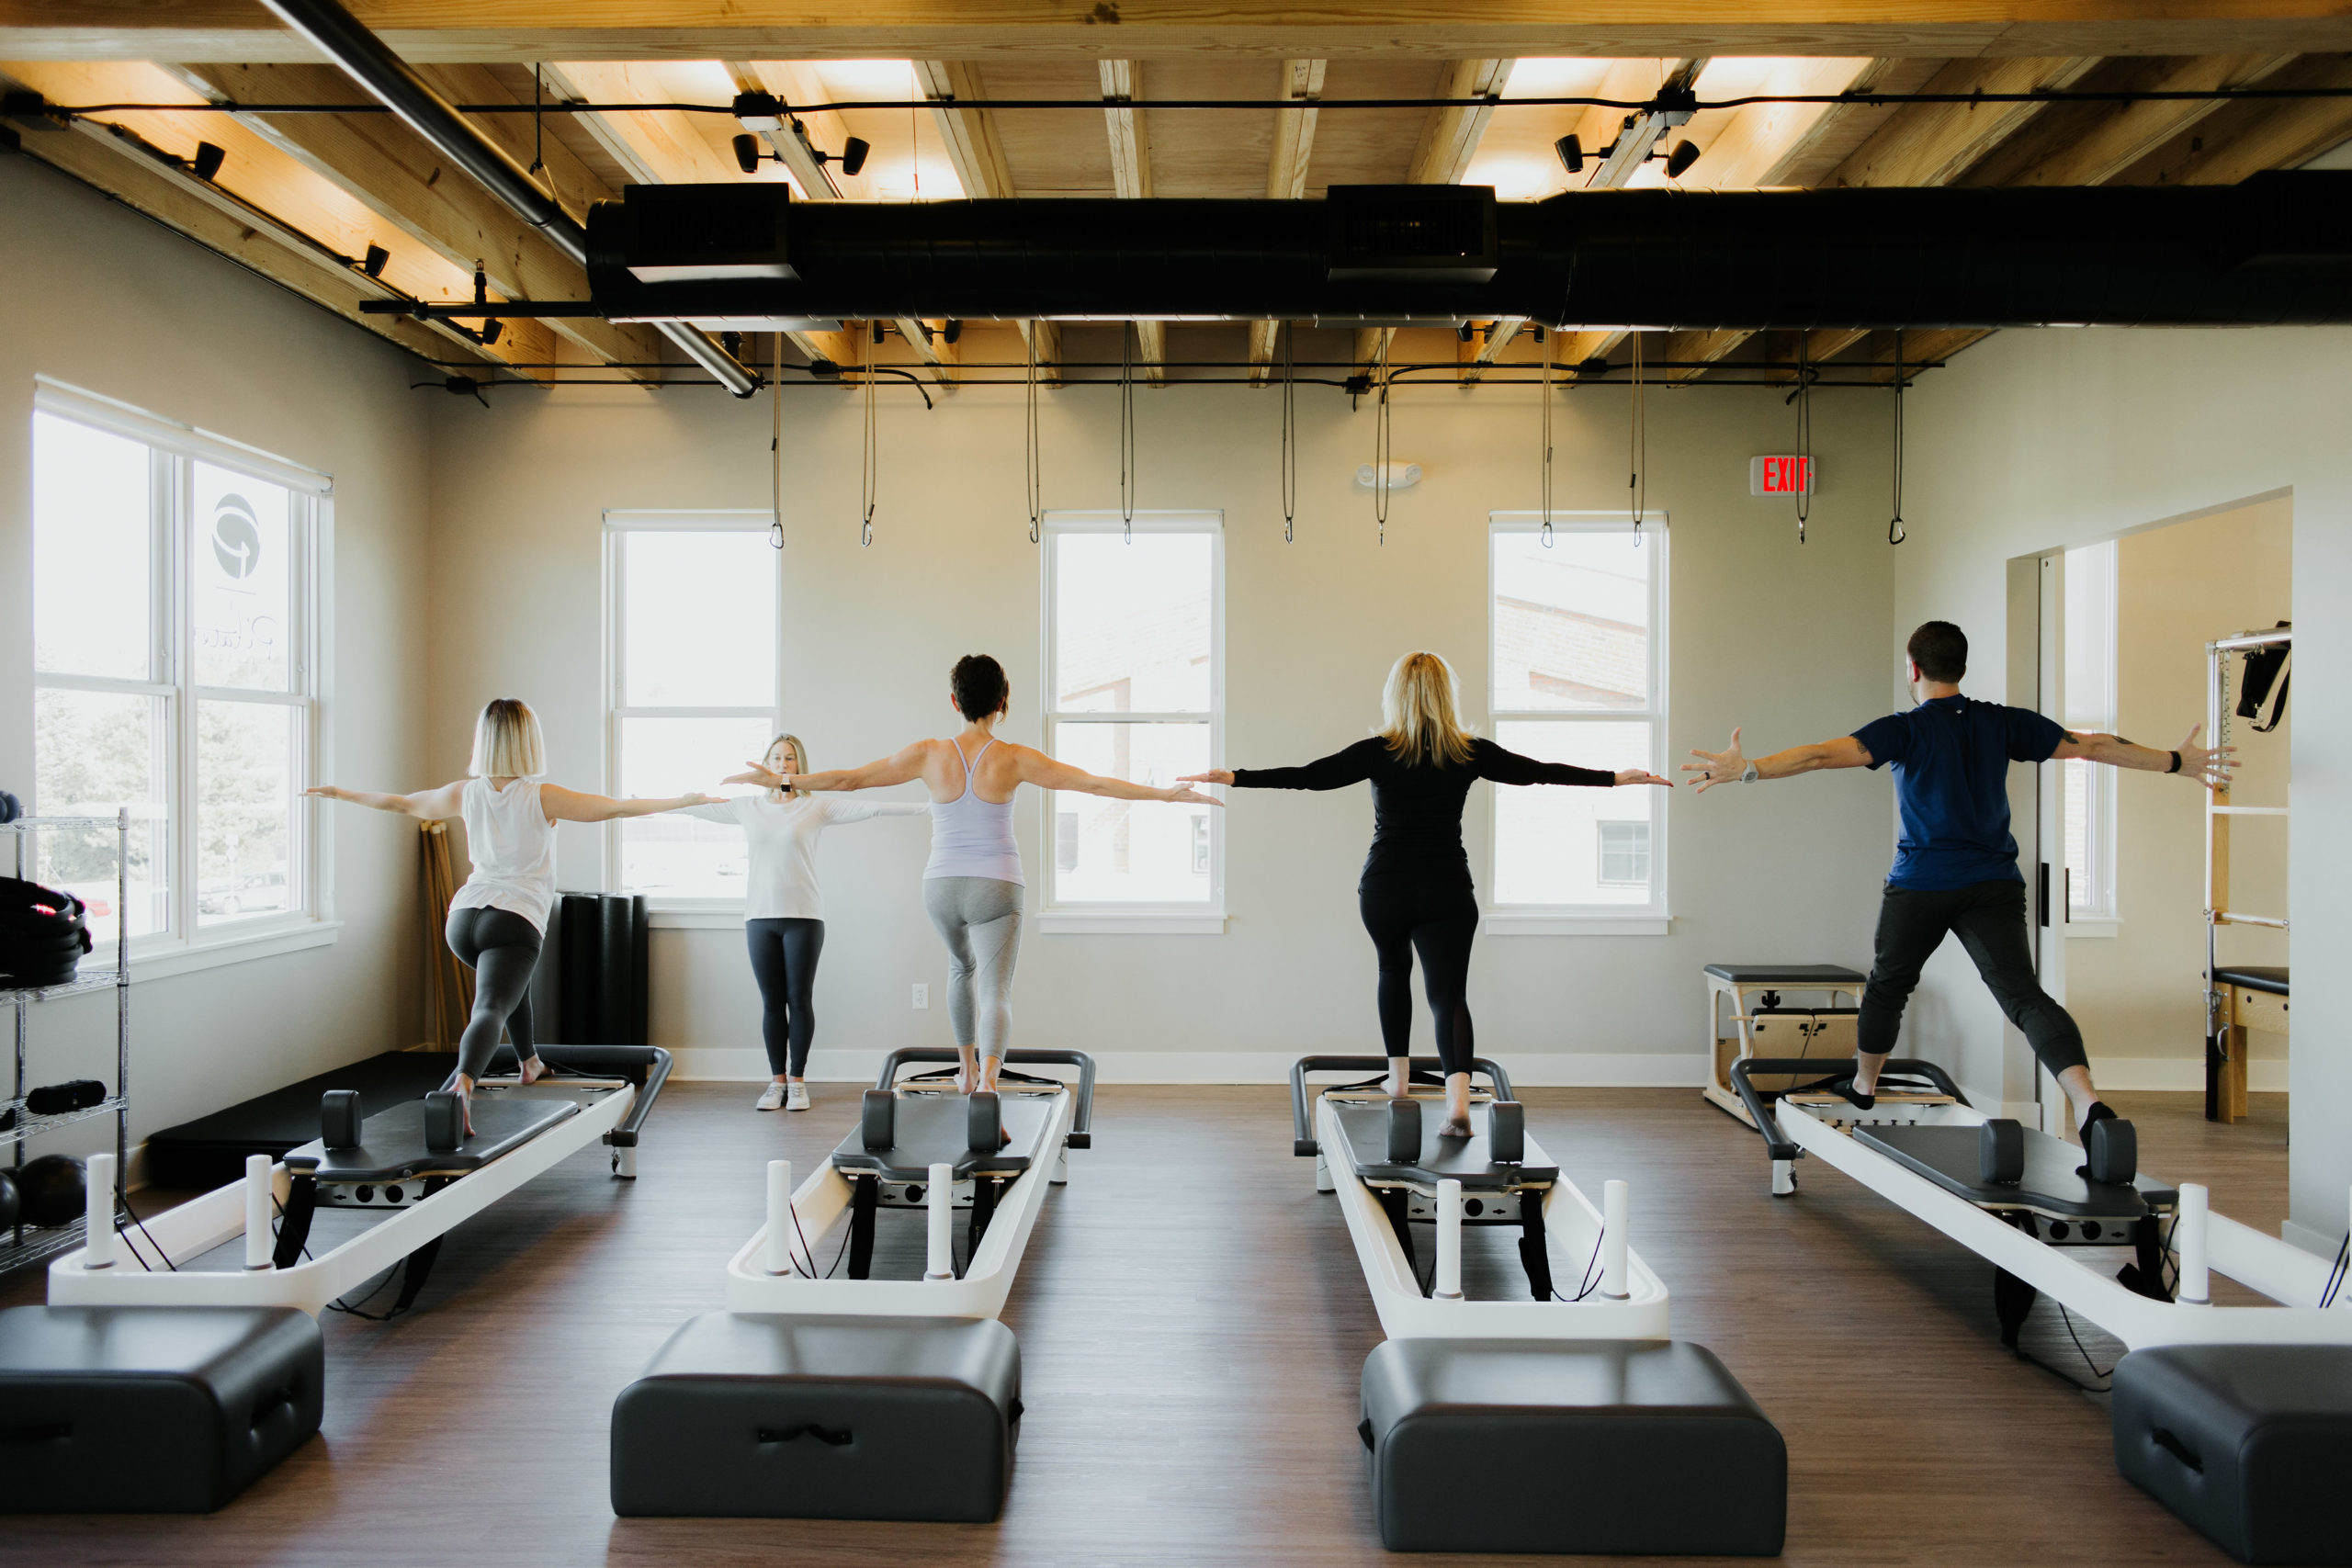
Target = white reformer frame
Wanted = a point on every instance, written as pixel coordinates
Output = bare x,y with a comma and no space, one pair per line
123,1269
1629,1302
761,1278
2201,1241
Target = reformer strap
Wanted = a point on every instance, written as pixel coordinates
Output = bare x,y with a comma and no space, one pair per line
1534,1255
1397,1205
865,1195
984,1196
294,1230
419,1266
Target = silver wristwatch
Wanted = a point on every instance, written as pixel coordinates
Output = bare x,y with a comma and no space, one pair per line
1750,776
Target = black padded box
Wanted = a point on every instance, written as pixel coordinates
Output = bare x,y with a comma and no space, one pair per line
1590,1446
2246,1442
151,1410
777,1415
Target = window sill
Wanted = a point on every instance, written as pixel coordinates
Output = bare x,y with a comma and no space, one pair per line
1128,922
2106,930
1535,924
217,951
683,917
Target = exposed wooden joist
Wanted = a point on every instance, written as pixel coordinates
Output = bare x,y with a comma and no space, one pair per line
1293,146
2246,139
973,147
520,31
386,165
1451,136
928,340
1933,144
1759,145
1045,339
563,175
2082,144
1695,351
1484,345
1131,179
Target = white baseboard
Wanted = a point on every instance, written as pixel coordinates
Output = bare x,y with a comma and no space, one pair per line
1549,1070
2264,1075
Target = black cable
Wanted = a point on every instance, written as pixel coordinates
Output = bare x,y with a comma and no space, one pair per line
1585,1279
1290,438
1128,480
2336,1272
1032,457
149,1235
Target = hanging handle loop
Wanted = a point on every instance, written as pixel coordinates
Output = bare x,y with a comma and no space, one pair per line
1896,531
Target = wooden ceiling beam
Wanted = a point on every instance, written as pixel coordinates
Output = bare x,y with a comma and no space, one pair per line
2087,144
1483,345
521,31
2246,139
1450,137
1131,180
1045,339
928,340
382,164
563,175
1301,81
1934,144
973,146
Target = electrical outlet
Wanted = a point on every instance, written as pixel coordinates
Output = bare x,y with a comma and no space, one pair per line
922,996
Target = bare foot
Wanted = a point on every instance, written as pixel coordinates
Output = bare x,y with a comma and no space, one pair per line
534,1069
1454,1127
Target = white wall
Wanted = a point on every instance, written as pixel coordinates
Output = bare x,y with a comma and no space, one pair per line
1789,641
2139,994
100,298
2043,439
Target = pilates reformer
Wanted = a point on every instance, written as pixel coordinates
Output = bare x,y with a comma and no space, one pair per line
2039,1209
866,1386
2238,997
372,1194
1540,1408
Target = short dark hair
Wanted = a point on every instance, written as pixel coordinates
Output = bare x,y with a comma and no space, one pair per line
1940,650
980,685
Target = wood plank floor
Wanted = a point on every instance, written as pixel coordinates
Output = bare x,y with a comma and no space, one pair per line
1191,1326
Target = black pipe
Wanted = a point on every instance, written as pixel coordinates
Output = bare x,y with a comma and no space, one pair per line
363,58
2275,249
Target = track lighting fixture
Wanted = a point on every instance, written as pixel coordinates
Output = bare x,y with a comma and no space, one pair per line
207,161
852,157
492,331
732,343
759,111
1571,151
1678,162
373,263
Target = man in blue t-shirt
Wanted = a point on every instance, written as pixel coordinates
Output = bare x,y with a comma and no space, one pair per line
1955,862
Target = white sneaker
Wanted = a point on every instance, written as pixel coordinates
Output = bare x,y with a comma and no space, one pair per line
771,1098
798,1099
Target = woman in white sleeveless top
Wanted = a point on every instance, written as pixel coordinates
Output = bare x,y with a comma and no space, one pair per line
972,887
499,916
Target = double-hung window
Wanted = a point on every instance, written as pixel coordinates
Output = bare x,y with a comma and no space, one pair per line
691,618
1578,662
1135,677
175,605
2090,706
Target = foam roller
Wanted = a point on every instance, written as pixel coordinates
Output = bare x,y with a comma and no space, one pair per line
878,1119
1404,1130
2000,1152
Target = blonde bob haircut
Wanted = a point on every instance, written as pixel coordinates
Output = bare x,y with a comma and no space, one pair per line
1420,712
507,743
799,752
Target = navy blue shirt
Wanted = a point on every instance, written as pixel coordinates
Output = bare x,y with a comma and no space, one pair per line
1951,759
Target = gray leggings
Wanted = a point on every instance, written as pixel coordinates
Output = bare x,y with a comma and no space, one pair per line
502,948
979,919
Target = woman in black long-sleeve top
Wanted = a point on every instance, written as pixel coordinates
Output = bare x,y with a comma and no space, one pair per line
1416,892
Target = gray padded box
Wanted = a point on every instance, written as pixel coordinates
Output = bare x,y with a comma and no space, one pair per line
2249,1443
151,1410
1569,1446
777,1415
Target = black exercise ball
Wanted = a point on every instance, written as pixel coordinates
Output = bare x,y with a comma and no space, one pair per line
49,1190
8,1200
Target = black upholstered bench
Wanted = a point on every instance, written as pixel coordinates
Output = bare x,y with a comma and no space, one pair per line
151,1410
766,1415
2246,1442
1569,1446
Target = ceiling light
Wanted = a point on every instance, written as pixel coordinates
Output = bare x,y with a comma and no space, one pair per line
1571,151
492,331
207,161
851,157
1399,476
747,153
373,263
759,111
1678,162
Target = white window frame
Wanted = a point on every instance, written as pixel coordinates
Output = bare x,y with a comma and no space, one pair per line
1656,918
1137,917
186,944
2095,711
619,525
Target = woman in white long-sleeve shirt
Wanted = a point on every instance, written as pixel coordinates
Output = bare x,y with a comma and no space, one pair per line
784,910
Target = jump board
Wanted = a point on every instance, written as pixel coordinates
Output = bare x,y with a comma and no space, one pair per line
1947,1156
391,1142
1467,1160
931,1129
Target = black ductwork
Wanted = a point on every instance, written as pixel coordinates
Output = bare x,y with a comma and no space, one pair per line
2274,250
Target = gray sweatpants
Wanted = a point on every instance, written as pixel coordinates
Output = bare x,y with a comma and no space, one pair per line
979,919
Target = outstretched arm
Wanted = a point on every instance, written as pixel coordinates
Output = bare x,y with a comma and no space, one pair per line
1038,768
1732,766
1336,771
2210,766
432,804
563,804
902,766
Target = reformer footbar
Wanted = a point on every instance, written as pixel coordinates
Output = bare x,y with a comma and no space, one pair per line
407,1172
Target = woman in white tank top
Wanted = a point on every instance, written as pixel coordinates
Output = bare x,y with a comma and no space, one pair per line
972,887
499,916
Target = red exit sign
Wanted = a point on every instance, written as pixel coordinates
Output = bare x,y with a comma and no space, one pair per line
1783,475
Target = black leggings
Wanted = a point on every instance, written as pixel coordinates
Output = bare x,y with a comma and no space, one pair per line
1440,922
502,948
1989,920
784,960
